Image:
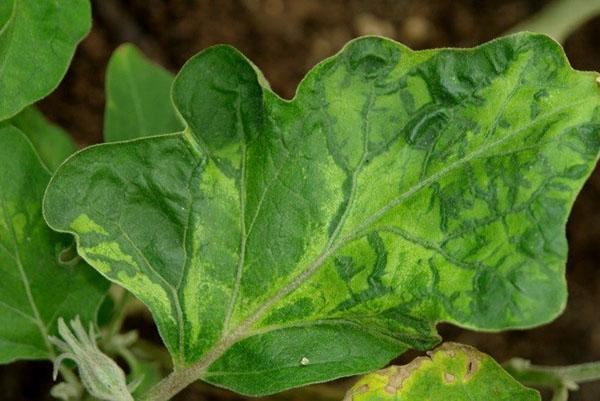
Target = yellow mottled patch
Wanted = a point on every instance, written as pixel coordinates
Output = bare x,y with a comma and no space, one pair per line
150,293
386,383
200,291
99,265
192,298
112,251
84,225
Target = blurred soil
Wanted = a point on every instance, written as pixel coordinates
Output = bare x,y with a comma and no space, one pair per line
285,38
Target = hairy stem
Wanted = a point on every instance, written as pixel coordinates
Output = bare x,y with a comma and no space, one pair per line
560,18
560,379
182,377
172,384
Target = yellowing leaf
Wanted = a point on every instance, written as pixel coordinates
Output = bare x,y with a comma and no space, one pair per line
453,372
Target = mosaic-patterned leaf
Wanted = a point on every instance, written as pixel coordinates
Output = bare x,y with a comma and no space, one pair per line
279,243
453,372
36,288
138,101
37,41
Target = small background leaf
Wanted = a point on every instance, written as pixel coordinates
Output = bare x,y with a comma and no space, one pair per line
37,41
35,289
454,372
138,101
51,142
146,373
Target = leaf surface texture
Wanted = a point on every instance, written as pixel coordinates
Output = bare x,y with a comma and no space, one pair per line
397,189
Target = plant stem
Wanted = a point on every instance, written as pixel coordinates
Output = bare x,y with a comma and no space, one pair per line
183,376
176,381
560,379
582,373
560,18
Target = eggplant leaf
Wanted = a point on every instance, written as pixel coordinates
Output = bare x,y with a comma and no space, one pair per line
37,41
51,142
138,101
453,372
36,288
279,243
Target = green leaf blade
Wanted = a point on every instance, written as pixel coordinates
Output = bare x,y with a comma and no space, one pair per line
37,42
397,189
287,357
138,99
36,288
453,372
51,142
123,249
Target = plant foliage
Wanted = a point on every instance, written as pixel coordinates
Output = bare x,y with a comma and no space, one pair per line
37,41
453,372
279,243
51,142
36,287
137,97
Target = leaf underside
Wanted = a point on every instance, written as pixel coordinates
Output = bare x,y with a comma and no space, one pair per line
36,289
398,189
454,372
37,42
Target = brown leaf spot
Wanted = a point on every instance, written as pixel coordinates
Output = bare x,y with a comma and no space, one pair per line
472,367
398,374
473,356
356,391
391,389
449,377
362,389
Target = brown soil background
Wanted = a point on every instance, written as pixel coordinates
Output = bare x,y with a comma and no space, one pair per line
285,38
